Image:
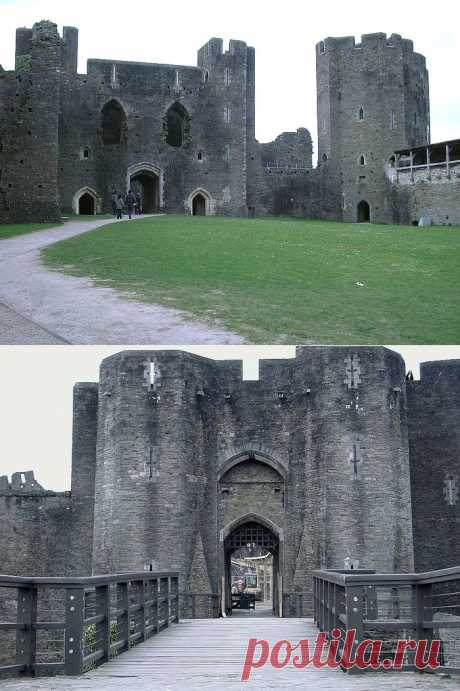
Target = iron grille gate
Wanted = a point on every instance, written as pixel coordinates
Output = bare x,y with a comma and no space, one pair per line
249,534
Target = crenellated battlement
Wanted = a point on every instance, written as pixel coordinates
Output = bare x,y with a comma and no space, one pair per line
368,42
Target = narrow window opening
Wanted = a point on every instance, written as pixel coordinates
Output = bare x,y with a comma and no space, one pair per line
362,160
113,122
361,113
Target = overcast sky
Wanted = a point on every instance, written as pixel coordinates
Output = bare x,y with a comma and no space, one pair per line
284,34
36,397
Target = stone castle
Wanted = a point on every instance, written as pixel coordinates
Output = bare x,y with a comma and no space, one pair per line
177,461
185,136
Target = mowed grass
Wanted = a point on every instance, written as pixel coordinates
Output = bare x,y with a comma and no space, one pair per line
283,281
11,230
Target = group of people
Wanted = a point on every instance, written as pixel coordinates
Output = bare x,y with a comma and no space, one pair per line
132,202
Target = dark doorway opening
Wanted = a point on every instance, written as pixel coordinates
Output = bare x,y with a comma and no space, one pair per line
252,571
148,184
364,212
86,205
199,205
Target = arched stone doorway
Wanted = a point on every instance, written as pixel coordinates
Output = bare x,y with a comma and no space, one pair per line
147,184
251,512
364,212
250,540
86,202
148,180
86,205
199,205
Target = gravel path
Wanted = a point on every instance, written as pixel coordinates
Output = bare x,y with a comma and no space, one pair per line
41,306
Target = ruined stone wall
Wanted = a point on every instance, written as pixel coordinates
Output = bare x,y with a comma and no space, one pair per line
434,444
36,527
373,98
29,99
213,156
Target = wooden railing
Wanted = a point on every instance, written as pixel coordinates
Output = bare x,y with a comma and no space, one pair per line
70,625
199,605
389,607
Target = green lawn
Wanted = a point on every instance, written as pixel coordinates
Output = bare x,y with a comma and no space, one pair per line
10,230
283,281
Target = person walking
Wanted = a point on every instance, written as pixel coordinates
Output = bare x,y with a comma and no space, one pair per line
114,199
119,206
130,202
138,203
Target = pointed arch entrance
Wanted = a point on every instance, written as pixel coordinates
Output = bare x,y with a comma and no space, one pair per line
252,504
147,179
252,539
363,212
86,202
200,203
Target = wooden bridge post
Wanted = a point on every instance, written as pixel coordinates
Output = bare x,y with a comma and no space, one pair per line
123,617
74,618
140,596
421,593
26,635
175,593
354,596
103,626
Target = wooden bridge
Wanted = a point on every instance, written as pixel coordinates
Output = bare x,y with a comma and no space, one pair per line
132,639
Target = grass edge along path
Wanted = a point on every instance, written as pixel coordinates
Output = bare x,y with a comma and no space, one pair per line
12,230
282,280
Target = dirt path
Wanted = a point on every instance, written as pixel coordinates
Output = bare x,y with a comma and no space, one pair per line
42,306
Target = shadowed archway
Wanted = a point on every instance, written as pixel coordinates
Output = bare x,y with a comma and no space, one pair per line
363,212
250,537
199,205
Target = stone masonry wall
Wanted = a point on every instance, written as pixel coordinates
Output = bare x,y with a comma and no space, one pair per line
36,527
379,85
434,443
332,450
163,453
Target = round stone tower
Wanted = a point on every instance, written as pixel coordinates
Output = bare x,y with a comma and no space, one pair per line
372,99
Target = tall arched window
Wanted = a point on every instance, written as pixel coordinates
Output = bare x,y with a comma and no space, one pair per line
177,124
361,113
362,160
113,123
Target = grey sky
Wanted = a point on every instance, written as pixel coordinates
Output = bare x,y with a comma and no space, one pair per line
36,397
283,33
